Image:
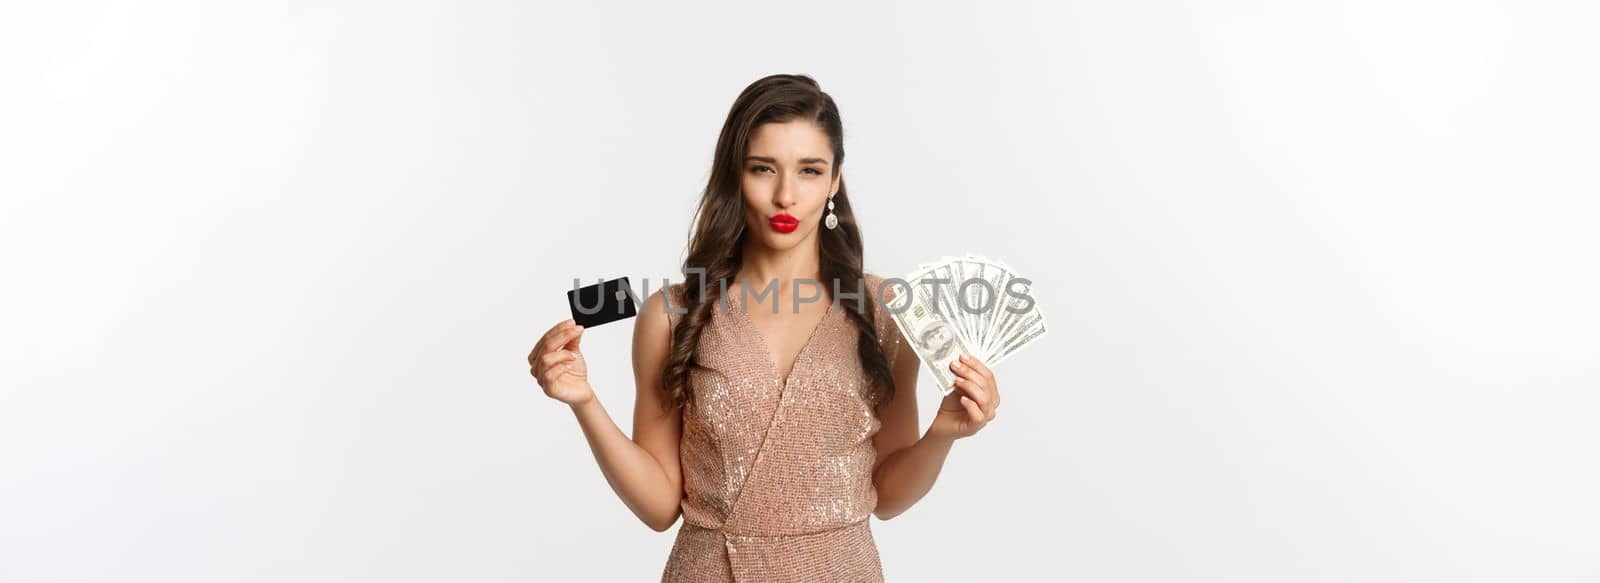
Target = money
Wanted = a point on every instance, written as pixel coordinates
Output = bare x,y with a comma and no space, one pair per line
935,339
969,304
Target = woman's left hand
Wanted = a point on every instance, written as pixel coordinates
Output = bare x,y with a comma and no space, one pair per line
969,407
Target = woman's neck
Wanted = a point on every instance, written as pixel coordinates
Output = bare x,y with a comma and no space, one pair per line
762,264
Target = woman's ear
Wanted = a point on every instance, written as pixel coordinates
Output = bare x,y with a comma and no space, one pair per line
838,176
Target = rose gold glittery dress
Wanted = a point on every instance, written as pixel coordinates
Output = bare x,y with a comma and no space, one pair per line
777,474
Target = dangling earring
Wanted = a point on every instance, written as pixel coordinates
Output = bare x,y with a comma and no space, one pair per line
831,221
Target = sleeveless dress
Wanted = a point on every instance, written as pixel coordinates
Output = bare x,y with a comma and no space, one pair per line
777,475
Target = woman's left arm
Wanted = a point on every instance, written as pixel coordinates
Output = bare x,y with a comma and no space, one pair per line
907,466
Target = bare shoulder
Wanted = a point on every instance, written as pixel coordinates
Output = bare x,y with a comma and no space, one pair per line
652,328
888,330
881,291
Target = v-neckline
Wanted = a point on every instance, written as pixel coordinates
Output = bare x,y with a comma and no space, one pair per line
766,349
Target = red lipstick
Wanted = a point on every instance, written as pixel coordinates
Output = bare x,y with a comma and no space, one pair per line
783,223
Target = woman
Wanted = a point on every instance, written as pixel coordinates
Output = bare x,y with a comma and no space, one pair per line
773,432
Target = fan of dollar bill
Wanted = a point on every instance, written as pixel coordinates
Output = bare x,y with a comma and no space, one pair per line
968,304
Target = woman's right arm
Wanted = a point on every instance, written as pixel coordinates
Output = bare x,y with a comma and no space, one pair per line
644,470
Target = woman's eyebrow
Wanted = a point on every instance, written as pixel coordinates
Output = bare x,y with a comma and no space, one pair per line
771,160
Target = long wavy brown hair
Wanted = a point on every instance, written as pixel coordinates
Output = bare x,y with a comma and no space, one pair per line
716,242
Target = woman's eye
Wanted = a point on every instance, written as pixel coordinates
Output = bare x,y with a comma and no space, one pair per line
813,171
760,169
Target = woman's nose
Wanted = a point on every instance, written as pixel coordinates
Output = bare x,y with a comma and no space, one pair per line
783,197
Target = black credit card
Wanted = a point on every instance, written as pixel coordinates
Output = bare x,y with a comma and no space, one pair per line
607,301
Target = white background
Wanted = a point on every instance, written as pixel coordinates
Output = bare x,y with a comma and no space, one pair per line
1320,276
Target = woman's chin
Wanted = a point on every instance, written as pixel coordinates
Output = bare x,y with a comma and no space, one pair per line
776,241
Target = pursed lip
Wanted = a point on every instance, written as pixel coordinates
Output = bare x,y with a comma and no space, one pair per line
783,222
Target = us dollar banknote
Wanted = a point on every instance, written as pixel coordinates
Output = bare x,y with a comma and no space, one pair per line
967,304
929,331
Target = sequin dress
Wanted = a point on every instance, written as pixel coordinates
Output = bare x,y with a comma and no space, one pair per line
777,475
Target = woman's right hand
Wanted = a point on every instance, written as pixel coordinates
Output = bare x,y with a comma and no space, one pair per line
559,367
